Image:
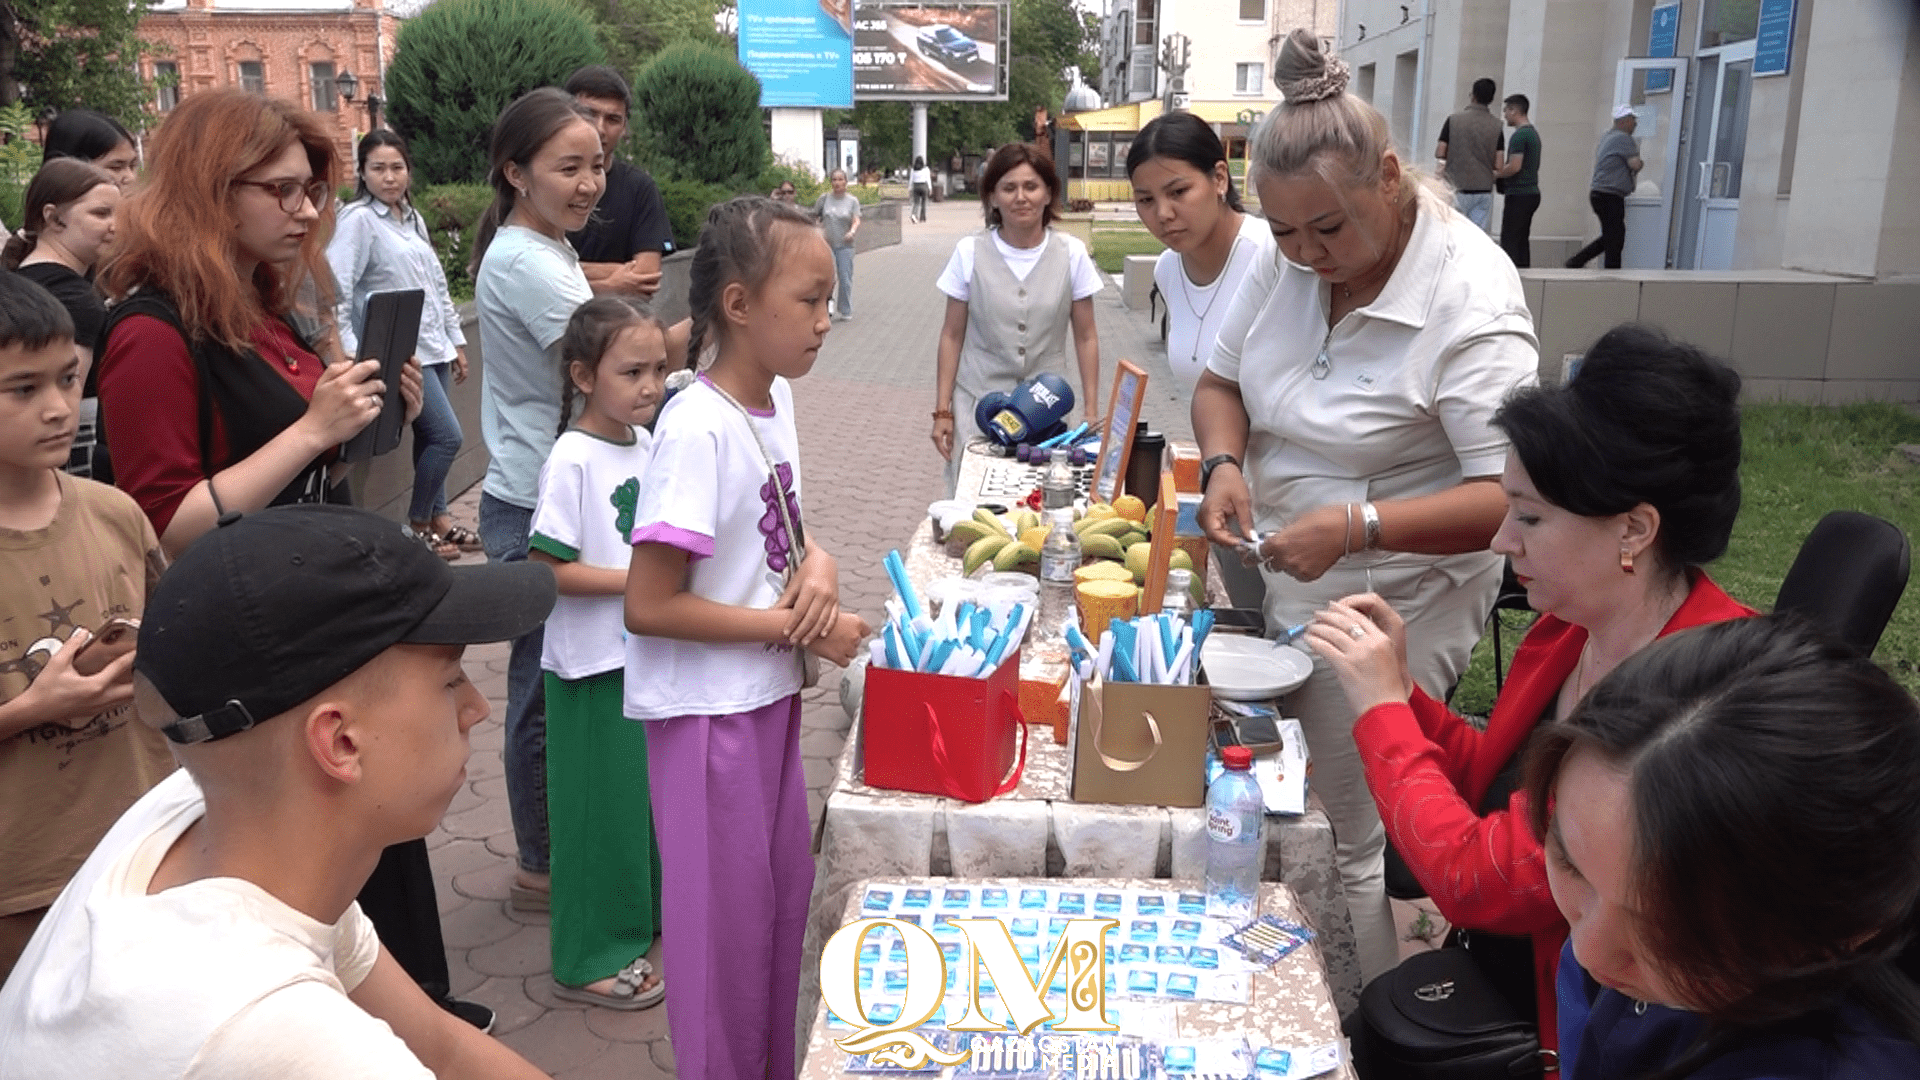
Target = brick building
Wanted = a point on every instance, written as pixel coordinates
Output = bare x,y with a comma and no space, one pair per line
290,49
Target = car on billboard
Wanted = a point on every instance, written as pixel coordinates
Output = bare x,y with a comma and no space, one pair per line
942,42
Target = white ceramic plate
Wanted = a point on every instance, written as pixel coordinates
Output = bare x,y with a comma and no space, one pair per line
1243,668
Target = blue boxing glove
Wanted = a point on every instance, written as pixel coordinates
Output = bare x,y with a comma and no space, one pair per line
1036,407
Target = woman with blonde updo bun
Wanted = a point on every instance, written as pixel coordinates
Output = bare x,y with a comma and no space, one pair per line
1345,417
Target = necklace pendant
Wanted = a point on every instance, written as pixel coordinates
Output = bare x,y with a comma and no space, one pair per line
1322,365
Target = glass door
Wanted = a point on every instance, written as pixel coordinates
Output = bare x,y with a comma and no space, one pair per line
1720,131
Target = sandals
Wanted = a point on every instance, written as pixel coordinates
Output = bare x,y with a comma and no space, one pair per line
524,897
627,993
461,537
436,543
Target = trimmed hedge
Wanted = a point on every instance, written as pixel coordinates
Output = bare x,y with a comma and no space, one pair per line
696,114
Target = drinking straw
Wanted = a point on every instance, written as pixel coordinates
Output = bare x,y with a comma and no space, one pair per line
1169,639
1182,659
1202,626
939,654
891,635
1103,664
897,570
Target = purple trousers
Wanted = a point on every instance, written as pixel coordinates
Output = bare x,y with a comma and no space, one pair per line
730,815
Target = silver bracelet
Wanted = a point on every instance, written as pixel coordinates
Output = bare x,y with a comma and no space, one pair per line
1346,538
1370,521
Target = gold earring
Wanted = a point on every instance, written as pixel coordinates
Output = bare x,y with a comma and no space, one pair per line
1626,559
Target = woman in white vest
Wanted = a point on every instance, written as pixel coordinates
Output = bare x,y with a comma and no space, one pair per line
1013,290
1346,415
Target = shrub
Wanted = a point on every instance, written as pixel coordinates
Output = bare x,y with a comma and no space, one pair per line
696,114
451,211
687,204
459,62
806,186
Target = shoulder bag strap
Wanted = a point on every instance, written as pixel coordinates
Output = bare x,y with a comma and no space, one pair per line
798,539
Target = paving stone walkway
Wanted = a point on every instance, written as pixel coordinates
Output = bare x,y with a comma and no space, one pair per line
870,473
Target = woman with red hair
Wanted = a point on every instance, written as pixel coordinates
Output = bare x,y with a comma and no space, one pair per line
211,398
214,401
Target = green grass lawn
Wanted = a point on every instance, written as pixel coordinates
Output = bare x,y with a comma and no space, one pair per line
1800,461
1113,243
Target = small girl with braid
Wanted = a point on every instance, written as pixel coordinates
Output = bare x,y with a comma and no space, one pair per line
606,867
726,587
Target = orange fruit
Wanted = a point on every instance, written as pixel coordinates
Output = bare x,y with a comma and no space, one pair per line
1130,507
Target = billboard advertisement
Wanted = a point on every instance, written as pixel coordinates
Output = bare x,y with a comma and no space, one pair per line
953,52
801,51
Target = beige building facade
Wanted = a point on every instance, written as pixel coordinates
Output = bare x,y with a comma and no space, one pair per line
1748,167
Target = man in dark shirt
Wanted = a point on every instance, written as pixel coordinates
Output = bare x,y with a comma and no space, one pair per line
1615,164
1520,168
621,247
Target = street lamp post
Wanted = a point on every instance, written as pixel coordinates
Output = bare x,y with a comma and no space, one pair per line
348,84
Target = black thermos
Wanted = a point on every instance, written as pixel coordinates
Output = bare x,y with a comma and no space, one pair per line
1144,464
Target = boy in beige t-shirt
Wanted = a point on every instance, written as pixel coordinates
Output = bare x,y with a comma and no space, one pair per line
73,554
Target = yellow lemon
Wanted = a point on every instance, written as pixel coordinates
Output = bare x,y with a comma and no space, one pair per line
1035,538
1130,507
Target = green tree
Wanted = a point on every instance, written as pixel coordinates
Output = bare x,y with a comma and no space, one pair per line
459,62
632,31
696,116
67,53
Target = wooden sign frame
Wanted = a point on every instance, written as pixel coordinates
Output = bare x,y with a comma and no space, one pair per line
1160,556
1129,397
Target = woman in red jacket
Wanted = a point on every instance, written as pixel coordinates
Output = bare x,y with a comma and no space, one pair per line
1621,484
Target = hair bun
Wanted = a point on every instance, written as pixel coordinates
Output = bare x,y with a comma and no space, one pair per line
1304,71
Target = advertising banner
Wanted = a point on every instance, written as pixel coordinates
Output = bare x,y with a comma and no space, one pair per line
930,51
801,51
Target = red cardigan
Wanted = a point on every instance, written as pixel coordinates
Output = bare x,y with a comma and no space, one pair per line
1428,769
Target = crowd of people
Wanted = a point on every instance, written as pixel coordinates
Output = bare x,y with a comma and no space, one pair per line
1682,844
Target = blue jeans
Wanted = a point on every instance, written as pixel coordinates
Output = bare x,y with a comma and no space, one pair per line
503,532
436,441
1477,205
843,266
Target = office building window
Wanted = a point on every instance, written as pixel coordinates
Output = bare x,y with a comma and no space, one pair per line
1145,22
1253,10
1246,78
166,85
253,76
325,97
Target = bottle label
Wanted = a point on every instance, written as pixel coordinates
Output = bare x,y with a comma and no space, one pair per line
1058,571
1222,825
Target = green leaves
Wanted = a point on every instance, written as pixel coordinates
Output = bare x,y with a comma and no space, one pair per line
459,62
696,117
82,53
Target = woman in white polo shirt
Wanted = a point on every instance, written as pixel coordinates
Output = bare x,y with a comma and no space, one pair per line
1345,416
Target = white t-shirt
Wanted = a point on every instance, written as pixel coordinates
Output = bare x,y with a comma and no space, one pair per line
209,980
1404,404
527,289
1196,312
922,176
588,492
708,493
957,279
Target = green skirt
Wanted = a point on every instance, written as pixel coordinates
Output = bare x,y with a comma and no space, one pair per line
606,867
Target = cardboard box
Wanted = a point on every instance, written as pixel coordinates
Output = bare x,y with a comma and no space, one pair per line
1117,757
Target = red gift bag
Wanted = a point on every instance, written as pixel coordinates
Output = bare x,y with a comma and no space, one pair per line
944,735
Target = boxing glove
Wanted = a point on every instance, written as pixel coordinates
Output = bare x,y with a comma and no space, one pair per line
1035,407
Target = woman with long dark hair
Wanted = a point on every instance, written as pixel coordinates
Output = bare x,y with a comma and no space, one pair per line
69,224
380,244
547,174
1731,832
1184,194
95,138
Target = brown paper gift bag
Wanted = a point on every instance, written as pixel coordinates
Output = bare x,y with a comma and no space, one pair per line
1140,744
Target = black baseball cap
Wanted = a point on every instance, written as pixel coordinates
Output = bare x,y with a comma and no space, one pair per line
275,606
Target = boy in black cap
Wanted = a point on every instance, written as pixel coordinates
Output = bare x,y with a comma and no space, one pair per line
305,662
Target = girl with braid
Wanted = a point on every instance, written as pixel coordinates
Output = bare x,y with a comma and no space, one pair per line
723,592
605,868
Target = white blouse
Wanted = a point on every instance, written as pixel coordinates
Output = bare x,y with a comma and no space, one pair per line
1401,404
1195,313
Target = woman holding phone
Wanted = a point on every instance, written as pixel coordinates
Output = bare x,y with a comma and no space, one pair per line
211,399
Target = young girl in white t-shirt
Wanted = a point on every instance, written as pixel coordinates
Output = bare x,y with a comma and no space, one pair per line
724,590
605,868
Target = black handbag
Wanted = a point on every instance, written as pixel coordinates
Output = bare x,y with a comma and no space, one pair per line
1438,1017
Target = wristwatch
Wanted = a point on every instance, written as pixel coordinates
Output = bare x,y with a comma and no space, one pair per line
1217,460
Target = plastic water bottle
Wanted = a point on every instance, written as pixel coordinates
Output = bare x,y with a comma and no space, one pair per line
1057,486
1179,593
1235,847
1059,558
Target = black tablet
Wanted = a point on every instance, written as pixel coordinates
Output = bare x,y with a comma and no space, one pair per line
392,333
